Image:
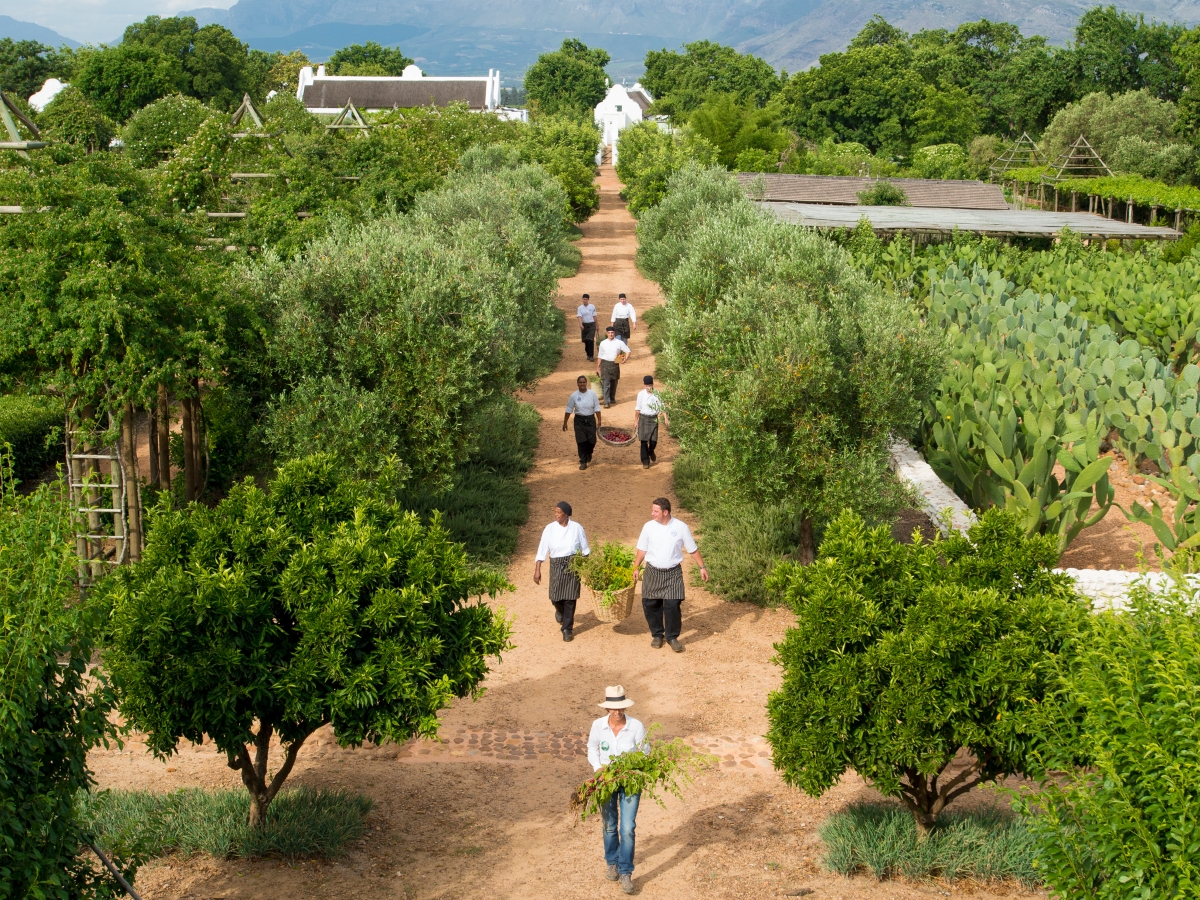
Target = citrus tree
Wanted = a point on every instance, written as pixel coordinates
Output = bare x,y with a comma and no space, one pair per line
317,602
903,654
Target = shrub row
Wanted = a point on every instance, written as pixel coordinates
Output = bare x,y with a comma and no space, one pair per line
786,370
390,337
32,427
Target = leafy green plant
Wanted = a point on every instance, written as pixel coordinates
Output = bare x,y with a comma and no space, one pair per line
668,767
1128,825
52,708
903,655
606,570
323,603
885,841
301,822
883,193
32,428
648,157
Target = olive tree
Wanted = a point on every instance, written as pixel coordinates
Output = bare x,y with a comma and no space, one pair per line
902,654
317,602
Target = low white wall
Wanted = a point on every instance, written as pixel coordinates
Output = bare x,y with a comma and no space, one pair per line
1106,588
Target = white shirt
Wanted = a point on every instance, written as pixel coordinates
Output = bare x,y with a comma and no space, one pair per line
664,544
611,348
624,310
603,745
559,540
583,403
586,313
648,403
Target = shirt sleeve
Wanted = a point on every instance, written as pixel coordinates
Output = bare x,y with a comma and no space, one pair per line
543,547
625,347
689,542
594,748
632,314
571,403
639,740
643,543
583,542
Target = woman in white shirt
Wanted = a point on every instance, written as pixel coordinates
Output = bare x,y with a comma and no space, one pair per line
624,318
561,539
661,546
649,410
586,314
611,736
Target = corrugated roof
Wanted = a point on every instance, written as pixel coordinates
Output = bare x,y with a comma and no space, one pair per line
844,189
927,220
402,93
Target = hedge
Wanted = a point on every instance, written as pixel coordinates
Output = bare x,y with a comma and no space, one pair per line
26,422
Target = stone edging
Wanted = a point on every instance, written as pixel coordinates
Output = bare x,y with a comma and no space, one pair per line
1106,588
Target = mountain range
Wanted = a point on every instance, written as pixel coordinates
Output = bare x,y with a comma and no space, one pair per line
449,37
28,31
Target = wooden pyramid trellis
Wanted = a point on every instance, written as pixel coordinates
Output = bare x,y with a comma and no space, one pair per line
1022,154
1080,160
247,108
349,117
8,109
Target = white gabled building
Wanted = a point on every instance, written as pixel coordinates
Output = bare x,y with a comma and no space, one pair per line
328,94
621,107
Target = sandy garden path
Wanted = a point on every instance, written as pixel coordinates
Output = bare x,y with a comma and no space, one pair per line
483,812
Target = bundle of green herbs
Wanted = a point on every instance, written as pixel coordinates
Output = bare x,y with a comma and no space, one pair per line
668,767
607,570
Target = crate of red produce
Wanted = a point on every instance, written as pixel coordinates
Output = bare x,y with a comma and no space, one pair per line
617,437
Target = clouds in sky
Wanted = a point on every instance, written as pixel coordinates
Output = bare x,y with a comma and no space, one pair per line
97,21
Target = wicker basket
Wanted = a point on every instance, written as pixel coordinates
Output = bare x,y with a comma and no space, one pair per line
604,433
621,606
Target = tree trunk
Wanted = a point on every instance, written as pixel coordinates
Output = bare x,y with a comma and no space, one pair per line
133,484
163,439
254,772
152,444
807,549
189,455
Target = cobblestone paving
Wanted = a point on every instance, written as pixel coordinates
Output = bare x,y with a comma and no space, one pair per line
749,753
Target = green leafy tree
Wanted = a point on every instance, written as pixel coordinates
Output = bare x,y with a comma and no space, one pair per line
1116,52
25,66
318,602
284,73
1128,825
70,117
733,129
215,66
904,654
367,59
121,80
569,81
155,131
1105,120
946,115
878,32
682,82
648,158
52,708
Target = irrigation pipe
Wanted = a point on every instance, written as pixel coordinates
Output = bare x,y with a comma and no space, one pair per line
125,885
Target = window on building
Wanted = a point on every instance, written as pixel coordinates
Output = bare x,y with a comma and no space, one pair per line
618,107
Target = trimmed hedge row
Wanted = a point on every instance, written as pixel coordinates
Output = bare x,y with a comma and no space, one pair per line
32,427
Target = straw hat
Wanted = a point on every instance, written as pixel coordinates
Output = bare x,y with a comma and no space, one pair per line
614,698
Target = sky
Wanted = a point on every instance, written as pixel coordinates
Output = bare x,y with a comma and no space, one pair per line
96,21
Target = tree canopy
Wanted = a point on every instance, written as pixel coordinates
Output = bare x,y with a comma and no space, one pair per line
569,81
368,59
682,82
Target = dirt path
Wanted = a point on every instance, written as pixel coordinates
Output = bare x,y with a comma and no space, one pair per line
483,813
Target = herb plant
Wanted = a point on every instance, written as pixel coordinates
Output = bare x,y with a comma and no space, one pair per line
607,570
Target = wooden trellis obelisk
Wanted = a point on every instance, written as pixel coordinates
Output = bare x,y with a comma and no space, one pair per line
1021,154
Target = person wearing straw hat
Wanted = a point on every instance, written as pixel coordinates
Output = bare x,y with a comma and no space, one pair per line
661,545
649,411
561,540
611,736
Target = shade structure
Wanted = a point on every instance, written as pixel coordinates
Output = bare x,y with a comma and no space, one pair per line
994,222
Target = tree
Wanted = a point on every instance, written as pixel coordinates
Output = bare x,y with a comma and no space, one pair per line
681,82
368,59
569,81
52,708
121,80
649,157
903,654
318,602
787,370
947,115
878,32
733,129
1116,52
25,66
71,118
1105,120
160,128
284,74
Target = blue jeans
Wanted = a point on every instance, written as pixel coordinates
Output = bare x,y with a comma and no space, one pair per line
618,837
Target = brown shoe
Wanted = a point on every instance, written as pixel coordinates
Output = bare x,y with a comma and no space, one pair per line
611,874
627,883
675,645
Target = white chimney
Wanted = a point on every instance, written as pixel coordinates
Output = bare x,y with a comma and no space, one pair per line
321,71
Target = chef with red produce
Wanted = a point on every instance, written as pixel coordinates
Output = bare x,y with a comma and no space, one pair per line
586,406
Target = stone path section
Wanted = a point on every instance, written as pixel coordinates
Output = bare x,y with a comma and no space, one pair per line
748,753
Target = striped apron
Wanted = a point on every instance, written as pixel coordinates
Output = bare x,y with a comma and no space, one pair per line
647,429
662,584
564,584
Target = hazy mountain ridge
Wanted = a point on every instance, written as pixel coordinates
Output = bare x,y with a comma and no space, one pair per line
28,31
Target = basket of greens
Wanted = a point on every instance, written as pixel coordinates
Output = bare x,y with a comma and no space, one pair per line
608,573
